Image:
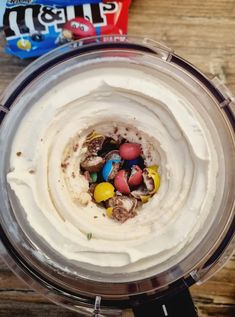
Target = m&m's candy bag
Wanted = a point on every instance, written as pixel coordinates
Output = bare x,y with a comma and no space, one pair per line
34,27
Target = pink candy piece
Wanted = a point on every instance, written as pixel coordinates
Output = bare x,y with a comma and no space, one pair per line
136,177
120,182
130,151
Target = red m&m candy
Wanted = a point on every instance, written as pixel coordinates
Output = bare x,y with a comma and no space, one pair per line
130,151
136,177
120,182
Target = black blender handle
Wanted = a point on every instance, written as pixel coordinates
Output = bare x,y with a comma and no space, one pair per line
181,304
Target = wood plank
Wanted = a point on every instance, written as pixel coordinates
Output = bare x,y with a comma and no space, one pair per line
214,297
15,309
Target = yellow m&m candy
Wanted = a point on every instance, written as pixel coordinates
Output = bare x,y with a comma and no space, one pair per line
156,178
145,199
103,192
154,168
109,212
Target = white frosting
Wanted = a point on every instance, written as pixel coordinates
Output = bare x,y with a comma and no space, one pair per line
55,202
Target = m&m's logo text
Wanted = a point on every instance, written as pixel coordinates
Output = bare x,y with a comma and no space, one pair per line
26,20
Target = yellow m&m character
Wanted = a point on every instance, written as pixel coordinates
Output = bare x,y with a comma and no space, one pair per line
24,44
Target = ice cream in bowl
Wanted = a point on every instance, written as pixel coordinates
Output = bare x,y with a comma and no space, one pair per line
116,168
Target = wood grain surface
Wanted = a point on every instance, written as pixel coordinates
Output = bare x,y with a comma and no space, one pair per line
202,32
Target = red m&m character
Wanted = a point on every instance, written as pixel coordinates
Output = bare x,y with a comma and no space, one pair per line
78,28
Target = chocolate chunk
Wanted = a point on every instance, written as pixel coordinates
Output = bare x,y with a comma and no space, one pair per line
112,155
95,145
121,214
94,142
109,145
148,181
125,202
139,192
92,189
115,170
93,163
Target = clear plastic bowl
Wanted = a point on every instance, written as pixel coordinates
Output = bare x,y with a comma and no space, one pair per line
72,284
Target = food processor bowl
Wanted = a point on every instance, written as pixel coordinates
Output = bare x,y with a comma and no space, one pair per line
83,287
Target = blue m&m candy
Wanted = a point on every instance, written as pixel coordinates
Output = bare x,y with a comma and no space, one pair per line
130,163
138,161
110,169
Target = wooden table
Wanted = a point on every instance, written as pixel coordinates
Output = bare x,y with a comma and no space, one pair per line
202,32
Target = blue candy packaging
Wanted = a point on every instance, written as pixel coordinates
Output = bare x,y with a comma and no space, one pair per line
34,27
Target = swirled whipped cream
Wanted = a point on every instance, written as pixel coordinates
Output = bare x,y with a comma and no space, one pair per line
56,200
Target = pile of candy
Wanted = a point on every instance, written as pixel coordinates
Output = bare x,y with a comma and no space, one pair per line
118,177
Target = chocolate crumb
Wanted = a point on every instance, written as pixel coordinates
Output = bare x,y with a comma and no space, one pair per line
127,129
64,165
140,138
115,130
75,147
41,140
18,153
31,172
103,215
73,175
95,217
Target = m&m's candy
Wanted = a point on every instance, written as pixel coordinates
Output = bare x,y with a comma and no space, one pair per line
109,212
151,180
92,163
113,155
120,182
94,142
118,176
110,169
154,167
103,192
130,151
135,178
141,193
